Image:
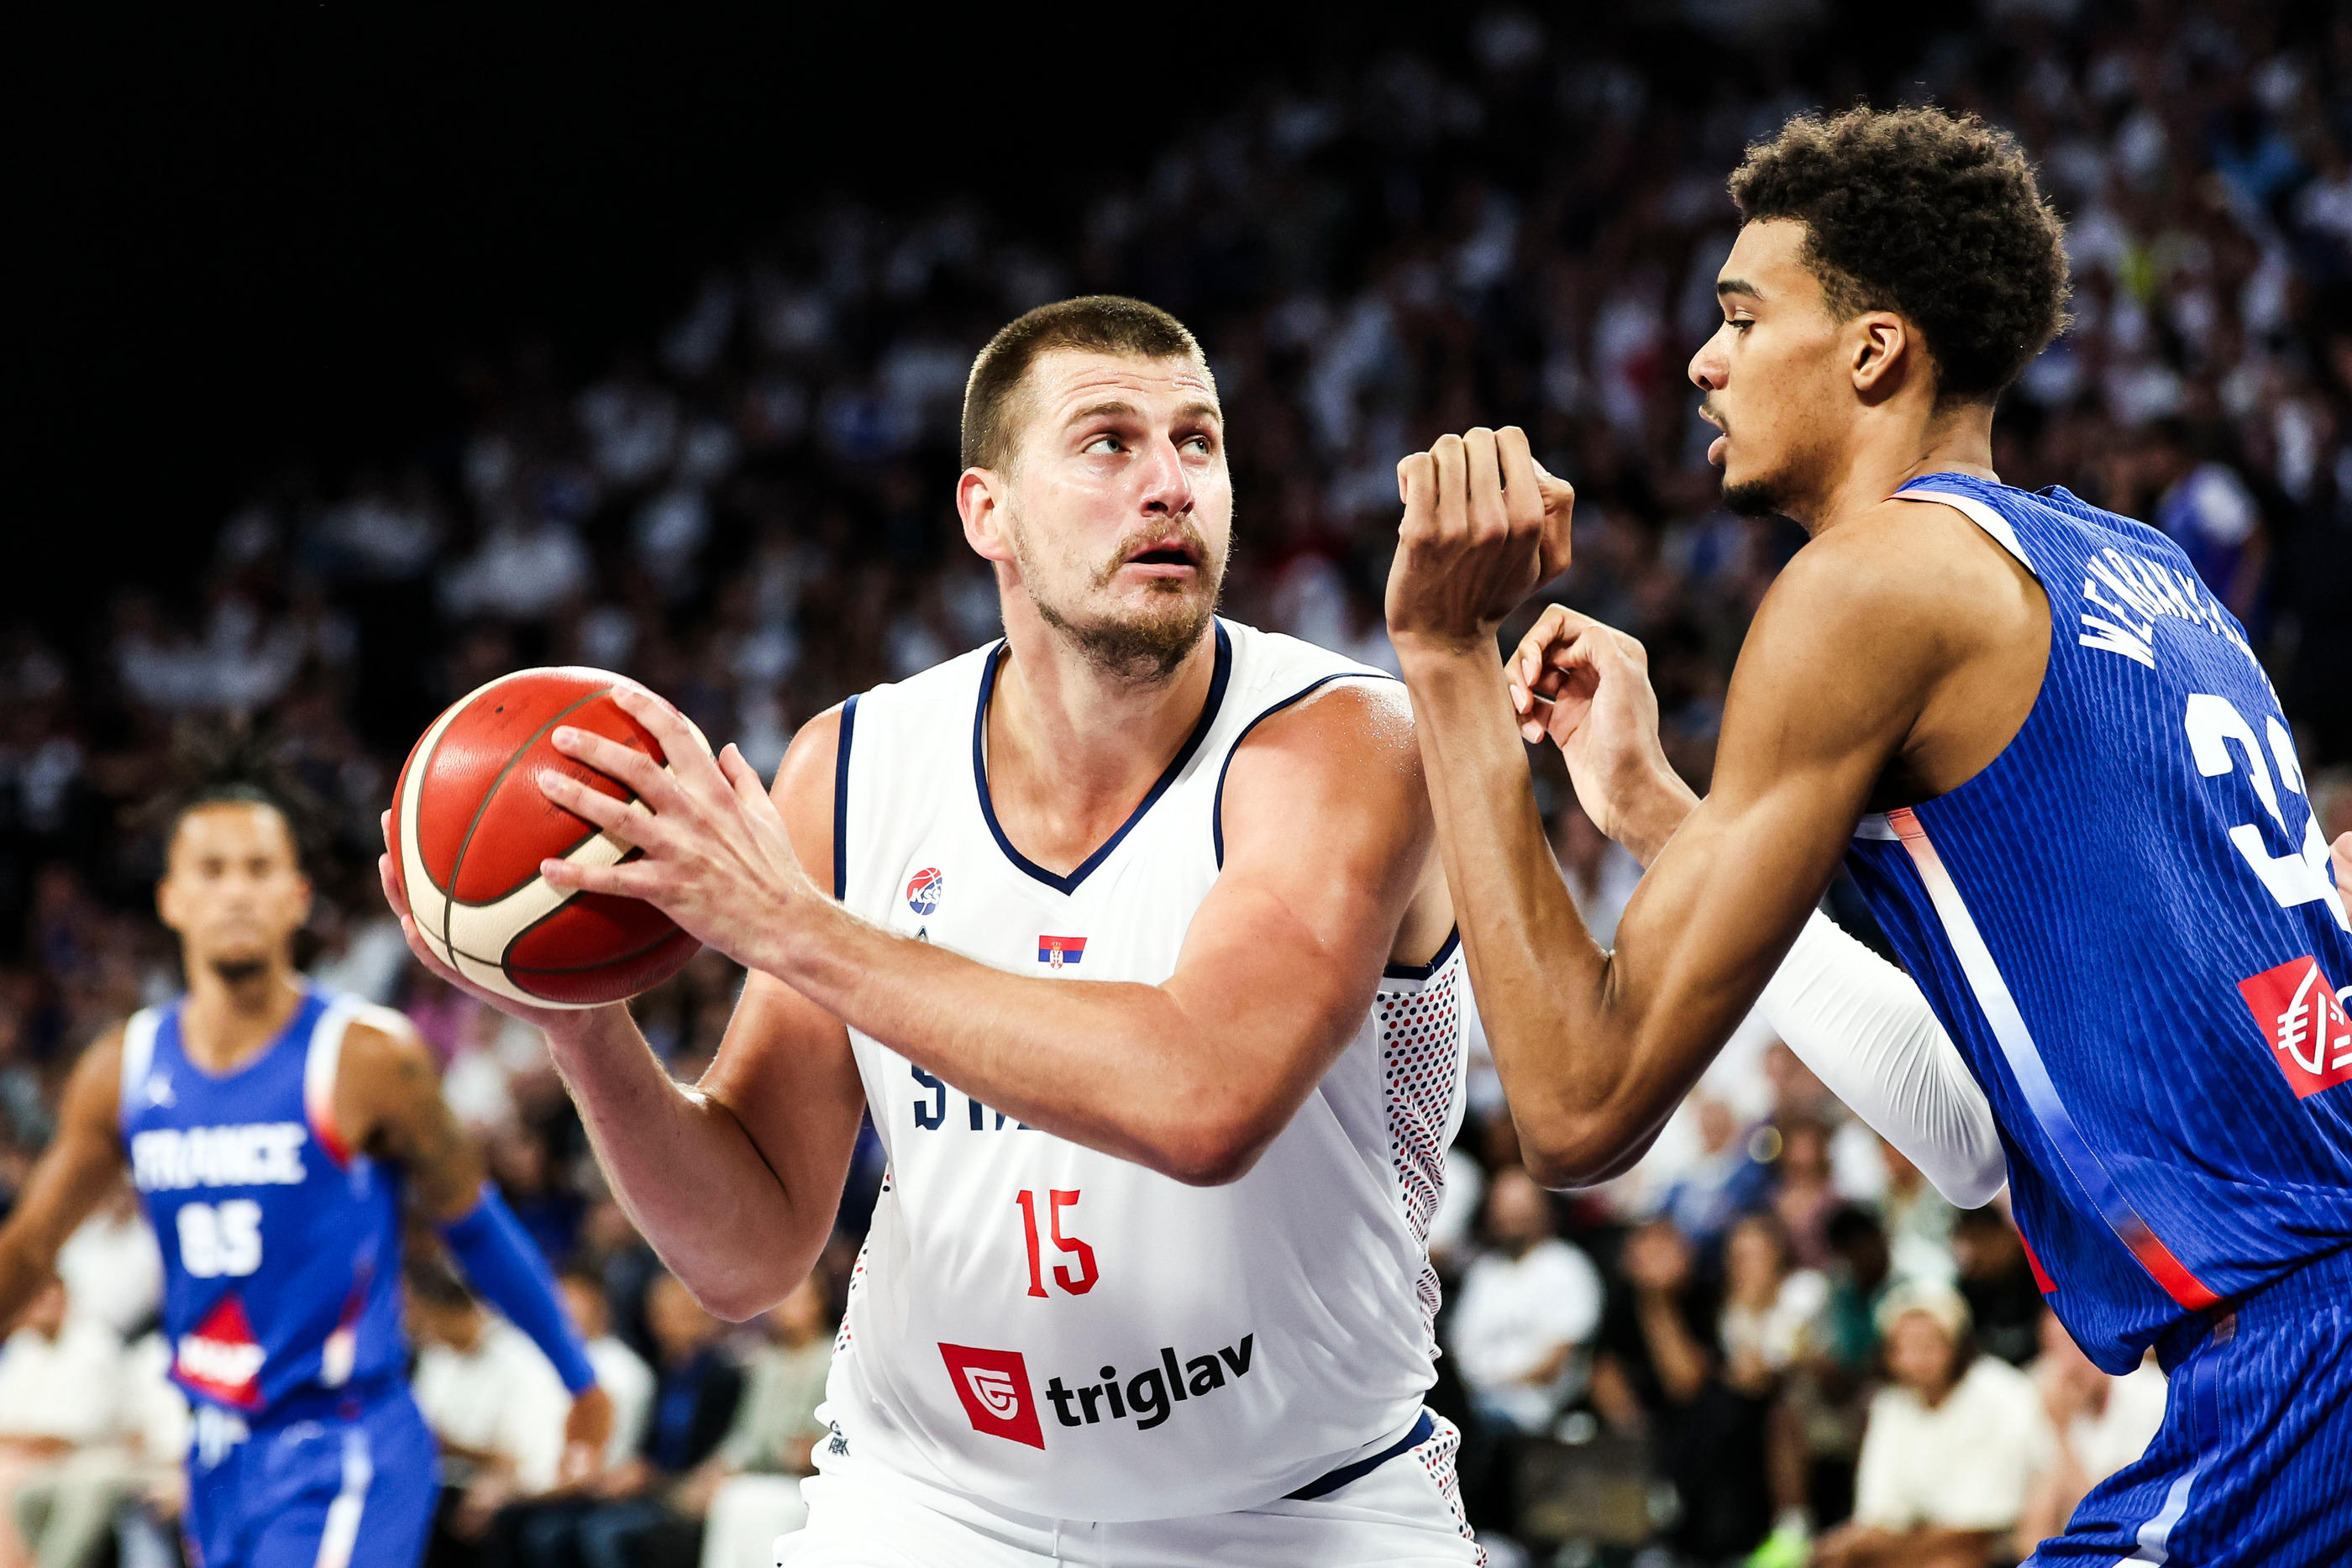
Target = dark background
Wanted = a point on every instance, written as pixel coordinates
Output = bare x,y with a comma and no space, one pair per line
243,243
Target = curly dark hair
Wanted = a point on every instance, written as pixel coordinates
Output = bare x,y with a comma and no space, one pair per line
230,758
1931,215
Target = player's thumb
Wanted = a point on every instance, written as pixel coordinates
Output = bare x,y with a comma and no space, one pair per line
2342,855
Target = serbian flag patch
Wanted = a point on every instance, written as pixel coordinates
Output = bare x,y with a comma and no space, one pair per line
1054,952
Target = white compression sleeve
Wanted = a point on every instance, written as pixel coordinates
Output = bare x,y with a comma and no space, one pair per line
1868,1032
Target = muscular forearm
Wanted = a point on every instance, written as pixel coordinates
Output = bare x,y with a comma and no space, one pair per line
1131,1069
1542,983
685,1171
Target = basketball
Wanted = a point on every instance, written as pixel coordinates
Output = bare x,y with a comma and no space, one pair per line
473,825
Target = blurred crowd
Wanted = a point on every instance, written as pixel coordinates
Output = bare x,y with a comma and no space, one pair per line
1773,1331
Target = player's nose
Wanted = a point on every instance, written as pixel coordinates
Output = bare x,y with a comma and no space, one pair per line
1166,482
1710,368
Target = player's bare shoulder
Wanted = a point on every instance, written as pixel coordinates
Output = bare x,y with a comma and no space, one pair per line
1336,733
93,1095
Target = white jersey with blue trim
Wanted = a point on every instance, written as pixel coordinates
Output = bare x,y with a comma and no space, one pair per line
1068,1333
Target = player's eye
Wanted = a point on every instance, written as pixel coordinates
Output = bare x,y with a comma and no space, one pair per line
1101,446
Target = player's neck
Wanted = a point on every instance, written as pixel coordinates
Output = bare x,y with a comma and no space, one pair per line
1072,749
227,1024
1889,449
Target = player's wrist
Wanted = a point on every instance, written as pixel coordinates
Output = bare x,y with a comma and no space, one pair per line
1432,647
1652,809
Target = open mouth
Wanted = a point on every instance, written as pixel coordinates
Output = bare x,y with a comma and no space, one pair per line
1166,553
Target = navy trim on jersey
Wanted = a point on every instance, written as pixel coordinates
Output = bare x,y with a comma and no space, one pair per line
1423,971
1423,1430
1217,806
1168,776
841,801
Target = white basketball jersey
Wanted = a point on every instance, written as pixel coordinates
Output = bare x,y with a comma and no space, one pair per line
1067,1334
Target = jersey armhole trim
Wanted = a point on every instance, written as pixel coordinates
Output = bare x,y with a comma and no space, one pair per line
138,1056
2003,533
321,1065
1217,803
1424,971
841,801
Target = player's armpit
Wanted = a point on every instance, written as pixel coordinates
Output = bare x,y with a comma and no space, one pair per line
388,1102
1594,1049
73,1177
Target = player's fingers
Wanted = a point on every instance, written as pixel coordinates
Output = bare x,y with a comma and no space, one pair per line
625,765
2342,855
1451,515
630,879
740,776
1483,479
393,895
1559,522
1522,497
1557,623
1417,489
683,748
627,820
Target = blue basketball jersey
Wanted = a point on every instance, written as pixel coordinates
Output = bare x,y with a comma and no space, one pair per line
2128,924
281,1247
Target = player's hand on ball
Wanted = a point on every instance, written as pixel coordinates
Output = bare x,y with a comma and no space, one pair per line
1585,686
713,852
587,1430
1484,526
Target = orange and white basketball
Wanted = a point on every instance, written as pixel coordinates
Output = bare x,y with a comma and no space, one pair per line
471,825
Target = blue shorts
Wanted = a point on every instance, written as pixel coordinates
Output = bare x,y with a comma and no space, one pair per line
349,1482
2251,1462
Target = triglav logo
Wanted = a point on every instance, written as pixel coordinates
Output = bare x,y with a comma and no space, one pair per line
993,1386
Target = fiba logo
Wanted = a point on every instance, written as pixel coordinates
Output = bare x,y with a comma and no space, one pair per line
923,891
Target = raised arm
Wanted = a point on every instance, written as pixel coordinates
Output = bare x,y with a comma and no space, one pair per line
1326,837
761,1147
73,1177
1595,1047
1859,1022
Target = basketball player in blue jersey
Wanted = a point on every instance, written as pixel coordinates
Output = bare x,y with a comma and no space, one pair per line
2055,767
273,1131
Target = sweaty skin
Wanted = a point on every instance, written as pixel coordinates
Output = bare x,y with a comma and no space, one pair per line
1118,459
1893,659
235,894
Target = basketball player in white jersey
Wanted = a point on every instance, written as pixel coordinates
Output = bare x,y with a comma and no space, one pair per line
1128,931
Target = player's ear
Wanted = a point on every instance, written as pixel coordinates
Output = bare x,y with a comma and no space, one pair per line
1884,353
981,502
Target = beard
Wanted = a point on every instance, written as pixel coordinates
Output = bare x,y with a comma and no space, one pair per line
1754,499
1145,647
241,970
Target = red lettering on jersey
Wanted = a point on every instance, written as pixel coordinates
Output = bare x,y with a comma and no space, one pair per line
994,1388
220,1358
2303,1018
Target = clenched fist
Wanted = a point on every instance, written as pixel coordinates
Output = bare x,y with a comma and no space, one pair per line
1484,526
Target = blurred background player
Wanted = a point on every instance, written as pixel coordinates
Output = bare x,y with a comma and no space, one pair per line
272,1130
1148,1278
